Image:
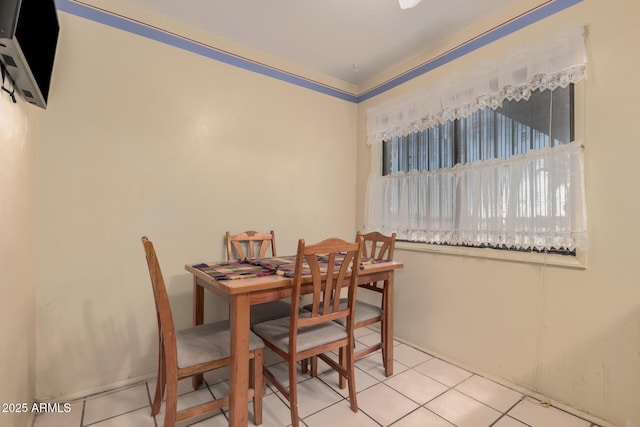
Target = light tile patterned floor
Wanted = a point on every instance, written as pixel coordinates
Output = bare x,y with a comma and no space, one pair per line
423,392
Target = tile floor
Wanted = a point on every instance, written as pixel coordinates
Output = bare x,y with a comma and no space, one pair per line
423,392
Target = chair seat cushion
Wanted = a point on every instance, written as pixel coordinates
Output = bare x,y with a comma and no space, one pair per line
277,332
270,311
204,343
363,311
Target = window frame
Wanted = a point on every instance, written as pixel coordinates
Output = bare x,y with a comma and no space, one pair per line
577,261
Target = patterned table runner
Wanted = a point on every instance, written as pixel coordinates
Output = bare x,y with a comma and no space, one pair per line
285,266
259,267
234,270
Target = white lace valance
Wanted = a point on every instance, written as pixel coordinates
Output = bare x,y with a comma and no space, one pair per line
557,61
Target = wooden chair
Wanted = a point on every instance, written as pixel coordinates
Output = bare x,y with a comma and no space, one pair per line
376,246
298,337
193,351
256,245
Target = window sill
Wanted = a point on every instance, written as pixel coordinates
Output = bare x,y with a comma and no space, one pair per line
577,262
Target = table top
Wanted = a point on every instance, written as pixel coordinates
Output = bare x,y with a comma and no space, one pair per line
281,266
266,273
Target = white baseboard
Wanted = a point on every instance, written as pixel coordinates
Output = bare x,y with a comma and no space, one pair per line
101,389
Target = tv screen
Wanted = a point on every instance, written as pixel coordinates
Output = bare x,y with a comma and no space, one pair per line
28,40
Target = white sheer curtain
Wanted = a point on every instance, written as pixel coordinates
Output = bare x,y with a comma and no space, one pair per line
531,201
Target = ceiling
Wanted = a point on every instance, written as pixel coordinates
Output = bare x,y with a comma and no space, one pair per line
351,40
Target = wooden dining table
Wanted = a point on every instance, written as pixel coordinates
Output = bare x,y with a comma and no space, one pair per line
253,285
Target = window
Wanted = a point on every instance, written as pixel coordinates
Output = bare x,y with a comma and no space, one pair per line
544,120
486,159
514,129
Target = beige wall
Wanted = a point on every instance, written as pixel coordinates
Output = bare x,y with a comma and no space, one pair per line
141,138
18,130
572,335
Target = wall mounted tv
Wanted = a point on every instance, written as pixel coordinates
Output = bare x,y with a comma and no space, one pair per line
28,40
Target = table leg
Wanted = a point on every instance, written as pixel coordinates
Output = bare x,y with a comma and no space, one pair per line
388,324
198,319
198,303
239,375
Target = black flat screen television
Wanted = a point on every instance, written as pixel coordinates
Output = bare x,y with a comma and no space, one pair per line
28,40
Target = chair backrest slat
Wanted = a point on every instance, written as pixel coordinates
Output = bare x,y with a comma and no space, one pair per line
238,245
377,245
327,285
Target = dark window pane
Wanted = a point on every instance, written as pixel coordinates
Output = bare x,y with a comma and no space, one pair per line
544,120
